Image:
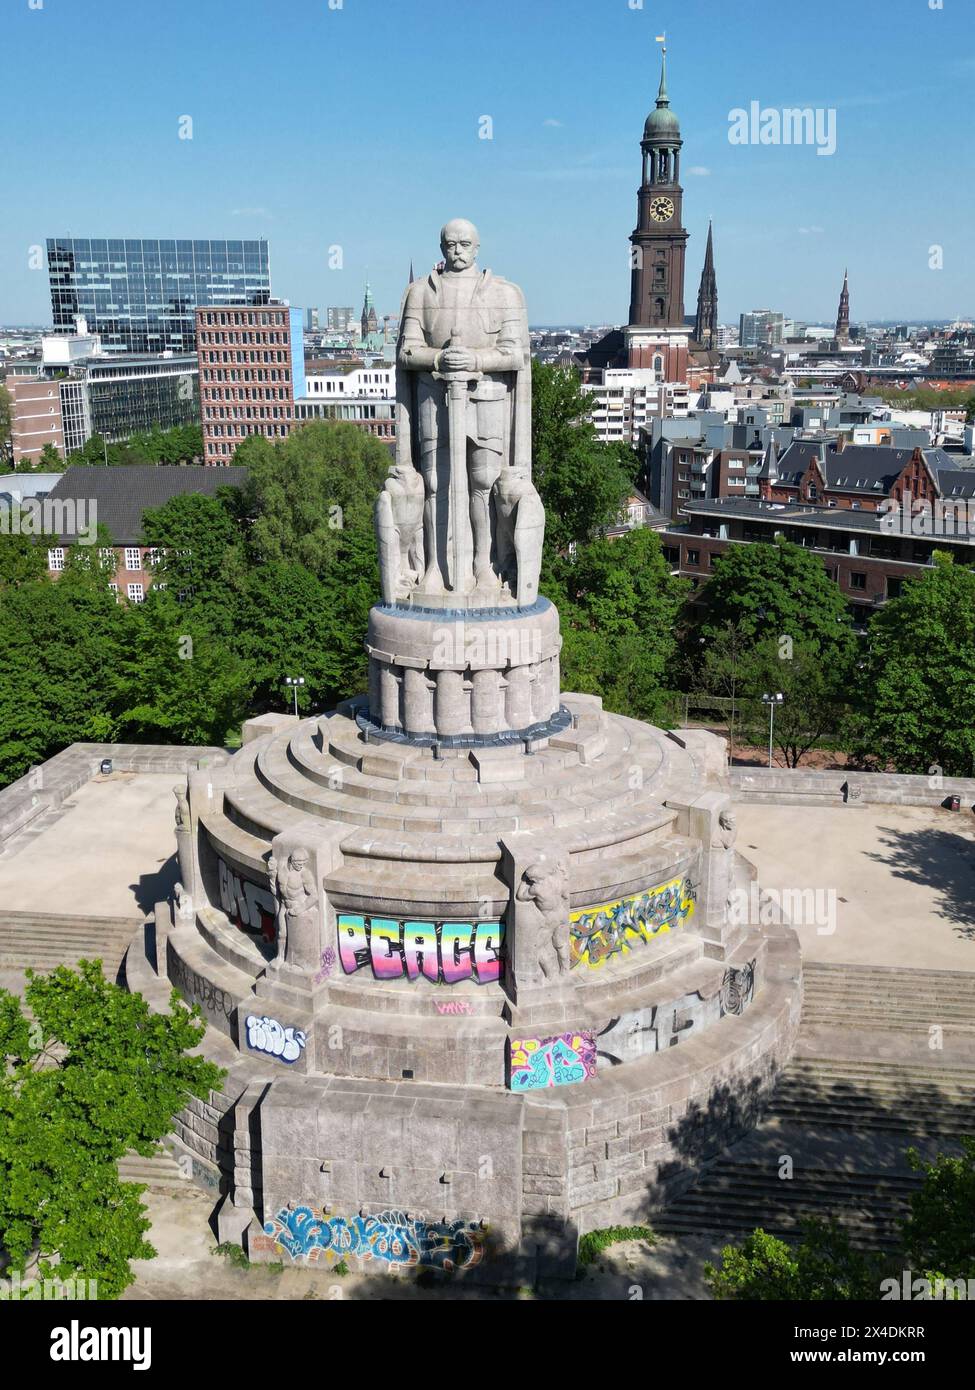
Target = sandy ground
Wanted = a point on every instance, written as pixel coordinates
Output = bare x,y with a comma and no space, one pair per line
903,878
185,1265
111,854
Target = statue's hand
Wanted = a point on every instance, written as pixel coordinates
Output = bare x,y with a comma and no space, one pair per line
458,359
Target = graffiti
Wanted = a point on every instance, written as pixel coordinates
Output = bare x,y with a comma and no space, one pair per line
392,1237
737,988
441,952
537,1063
267,1035
596,933
249,906
455,1006
198,990
328,964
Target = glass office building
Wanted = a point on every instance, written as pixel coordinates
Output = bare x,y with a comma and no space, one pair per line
141,296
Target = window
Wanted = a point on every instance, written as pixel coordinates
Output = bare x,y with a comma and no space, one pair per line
55,559
114,590
894,587
136,593
858,580
133,558
693,557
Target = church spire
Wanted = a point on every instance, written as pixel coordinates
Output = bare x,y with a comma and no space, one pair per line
662,98
843,315
705,327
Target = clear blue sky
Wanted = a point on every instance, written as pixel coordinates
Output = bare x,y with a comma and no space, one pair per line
358,126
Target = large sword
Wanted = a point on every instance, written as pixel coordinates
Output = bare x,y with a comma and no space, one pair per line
461,562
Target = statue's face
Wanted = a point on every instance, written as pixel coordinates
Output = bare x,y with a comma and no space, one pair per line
459,244
299,859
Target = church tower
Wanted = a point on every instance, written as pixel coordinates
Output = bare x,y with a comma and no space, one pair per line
657,335
368,322
843,316
706,324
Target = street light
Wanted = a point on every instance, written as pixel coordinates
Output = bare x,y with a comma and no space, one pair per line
295,681
771,700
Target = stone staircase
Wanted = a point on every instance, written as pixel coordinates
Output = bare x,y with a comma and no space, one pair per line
845,1113
42,941
736,1195
160,1171
880,998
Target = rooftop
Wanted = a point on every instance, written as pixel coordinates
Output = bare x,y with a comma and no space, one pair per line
122,495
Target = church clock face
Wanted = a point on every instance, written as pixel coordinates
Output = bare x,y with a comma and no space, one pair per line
662,209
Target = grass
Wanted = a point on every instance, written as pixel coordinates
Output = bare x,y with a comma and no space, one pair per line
592,1245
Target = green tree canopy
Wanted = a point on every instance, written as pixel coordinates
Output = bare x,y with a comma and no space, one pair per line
582,481
918,691
89,1072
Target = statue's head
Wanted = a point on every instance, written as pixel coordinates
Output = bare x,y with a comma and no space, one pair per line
299,858
459,243
726,819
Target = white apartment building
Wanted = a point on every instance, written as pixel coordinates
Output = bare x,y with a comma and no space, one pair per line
627,397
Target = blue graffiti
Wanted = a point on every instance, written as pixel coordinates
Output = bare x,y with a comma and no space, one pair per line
392,1237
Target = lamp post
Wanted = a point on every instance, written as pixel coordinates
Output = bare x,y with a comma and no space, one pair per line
771,699
294,682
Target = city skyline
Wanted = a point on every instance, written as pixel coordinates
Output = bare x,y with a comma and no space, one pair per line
560,169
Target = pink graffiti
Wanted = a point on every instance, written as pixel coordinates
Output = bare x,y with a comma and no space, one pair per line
454,1006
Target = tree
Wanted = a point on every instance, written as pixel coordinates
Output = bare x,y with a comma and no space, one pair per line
582,482
6,424
812,706
776,590
50,461
618,603
175,680
919,687
823,1266
939,1234
89,1073
305,492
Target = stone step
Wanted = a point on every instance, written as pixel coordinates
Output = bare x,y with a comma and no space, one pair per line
162,1170
736,1197
43,941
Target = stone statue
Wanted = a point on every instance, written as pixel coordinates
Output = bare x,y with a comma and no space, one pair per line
464,410
520,519
184,854
399,531
294,886
544,884
727,830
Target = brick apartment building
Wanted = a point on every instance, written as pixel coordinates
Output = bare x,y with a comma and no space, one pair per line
117,498
826,498
251,362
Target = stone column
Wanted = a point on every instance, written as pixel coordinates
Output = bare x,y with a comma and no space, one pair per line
485,702
417,701
517,703
389,697
450,714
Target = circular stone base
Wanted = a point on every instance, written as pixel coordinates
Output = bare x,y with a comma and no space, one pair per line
547,728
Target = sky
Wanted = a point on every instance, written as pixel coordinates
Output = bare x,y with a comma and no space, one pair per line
357,124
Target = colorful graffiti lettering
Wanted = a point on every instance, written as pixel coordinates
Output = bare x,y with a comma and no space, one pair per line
441,952
392,1237
454,1006
267,1035
250,906
595,933
537,1063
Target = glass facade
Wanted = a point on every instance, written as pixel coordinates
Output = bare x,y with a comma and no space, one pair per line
140,296
128,397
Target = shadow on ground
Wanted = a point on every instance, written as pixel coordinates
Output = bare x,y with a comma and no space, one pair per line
940,859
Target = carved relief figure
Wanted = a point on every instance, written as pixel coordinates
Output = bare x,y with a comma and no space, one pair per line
295,888
399,531
520,519
544,885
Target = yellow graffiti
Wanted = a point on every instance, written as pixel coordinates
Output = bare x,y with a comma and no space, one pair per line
596,933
